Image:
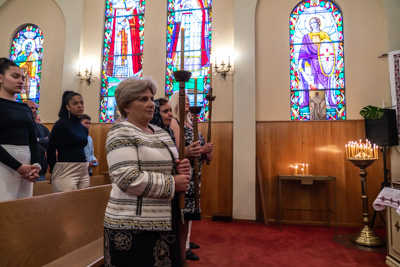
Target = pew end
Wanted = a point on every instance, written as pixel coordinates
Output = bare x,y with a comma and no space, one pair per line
59,229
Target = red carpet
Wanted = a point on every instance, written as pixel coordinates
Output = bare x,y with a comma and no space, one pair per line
237,244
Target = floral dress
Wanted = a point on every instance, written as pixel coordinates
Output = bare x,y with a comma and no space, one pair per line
190,211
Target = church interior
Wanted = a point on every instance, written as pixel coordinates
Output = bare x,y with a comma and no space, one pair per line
255,138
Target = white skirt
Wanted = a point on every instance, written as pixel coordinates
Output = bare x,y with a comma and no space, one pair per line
68,176
12,186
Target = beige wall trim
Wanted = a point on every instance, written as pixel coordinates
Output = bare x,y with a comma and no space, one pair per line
244,114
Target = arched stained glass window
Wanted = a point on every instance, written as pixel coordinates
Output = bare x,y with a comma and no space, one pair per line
123,50
317,61
195,17
27,53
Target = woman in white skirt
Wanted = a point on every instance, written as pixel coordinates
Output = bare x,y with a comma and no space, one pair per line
19,153
65,153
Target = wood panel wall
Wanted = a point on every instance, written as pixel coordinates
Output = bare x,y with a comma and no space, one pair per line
216,188
321,145
280,144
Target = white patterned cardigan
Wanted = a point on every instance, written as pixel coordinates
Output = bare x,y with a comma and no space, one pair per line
140,166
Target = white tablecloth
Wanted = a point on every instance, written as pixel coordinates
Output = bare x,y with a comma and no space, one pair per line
388,197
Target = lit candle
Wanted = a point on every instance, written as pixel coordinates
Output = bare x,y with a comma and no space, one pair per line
91,68
307,169
295,169
195,92
229,60
303,168
215,61
182,48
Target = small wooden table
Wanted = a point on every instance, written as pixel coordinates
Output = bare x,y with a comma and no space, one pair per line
308,180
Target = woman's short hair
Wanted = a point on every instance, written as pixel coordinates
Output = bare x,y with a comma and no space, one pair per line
174,102
5,63
130,89
67,95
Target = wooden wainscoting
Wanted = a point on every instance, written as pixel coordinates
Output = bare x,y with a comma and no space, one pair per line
321,145
217,178
216,193
280,144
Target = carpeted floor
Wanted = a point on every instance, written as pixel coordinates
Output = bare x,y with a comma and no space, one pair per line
237,244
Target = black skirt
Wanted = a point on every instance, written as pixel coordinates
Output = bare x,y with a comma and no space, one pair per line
143,248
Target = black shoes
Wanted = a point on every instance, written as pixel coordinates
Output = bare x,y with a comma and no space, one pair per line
191,256
194,246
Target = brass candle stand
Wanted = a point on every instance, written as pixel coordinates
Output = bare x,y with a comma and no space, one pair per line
366,237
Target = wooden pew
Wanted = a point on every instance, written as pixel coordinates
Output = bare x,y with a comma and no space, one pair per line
60,229
44,187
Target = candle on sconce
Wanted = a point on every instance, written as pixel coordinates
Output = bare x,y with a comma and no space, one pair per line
303,169
295,169
182,48
229,60
306,169
91,68
215,61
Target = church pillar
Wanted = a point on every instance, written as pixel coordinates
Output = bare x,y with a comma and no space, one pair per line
244,113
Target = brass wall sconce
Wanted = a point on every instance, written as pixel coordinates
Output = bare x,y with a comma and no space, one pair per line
88,77
223,69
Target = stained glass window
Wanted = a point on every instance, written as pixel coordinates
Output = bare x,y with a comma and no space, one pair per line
317,61
123,50
195,17
27,53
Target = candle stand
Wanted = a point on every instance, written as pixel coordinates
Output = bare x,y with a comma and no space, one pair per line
195,112
182,77
367,236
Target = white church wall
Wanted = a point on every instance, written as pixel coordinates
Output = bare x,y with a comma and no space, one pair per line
47,15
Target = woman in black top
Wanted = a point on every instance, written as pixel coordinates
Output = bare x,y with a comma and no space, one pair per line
65,153
18,144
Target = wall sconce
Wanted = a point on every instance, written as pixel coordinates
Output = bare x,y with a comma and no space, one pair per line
222,69
88,77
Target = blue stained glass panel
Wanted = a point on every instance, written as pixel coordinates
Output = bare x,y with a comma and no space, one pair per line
27,53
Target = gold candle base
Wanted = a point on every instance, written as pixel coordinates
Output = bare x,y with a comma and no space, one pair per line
368,238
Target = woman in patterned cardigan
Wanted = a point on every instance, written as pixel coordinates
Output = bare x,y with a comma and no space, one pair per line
141,218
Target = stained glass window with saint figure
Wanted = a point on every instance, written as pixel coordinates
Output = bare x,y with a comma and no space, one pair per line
195,17
123,50
27,53
317,61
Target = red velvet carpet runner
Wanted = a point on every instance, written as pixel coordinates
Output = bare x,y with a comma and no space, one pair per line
237,244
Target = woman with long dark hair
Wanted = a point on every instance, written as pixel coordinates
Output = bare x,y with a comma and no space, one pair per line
65,153
19,153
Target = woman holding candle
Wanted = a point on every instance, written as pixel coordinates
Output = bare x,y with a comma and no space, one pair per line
194,151
141,219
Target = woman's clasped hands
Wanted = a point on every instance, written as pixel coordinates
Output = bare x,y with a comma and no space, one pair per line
29,172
